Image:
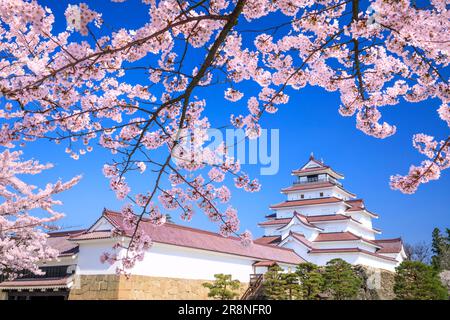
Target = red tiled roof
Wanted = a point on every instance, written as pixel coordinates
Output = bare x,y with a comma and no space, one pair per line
341,236
38,282
177,235
358,205
336,236
273,240
59,241
92,235
308,186
305,202
304,220
390,245
343,250
286,221
328,217
265,263
275,222
312,186
311,169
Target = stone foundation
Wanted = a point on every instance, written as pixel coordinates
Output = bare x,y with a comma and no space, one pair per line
378,283
111,287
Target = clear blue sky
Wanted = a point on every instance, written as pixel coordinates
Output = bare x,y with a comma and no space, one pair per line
310,122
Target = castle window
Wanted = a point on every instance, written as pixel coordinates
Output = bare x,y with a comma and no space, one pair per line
313,178
321,194
302,196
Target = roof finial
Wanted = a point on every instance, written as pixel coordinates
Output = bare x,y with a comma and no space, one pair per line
311,156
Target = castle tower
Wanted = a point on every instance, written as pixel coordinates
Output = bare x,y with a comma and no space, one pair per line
321,221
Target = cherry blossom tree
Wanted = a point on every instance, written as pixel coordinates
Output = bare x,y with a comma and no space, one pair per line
71,87
23,241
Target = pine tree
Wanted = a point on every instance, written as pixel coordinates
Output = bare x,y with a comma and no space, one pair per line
311,280
274,284
416,281
223,287
341,281
436,245
441,250
291,286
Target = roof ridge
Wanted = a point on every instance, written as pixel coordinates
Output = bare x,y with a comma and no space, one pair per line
389,240
210,233
57,234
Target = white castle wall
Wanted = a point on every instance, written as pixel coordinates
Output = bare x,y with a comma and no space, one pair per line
314,210
170,261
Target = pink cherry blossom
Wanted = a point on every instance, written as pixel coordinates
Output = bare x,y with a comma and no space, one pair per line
79,91
23,241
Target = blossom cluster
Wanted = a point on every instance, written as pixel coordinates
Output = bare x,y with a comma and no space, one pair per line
71,87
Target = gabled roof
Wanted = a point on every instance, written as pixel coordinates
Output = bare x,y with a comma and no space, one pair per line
265,263
274,222
313,186
273,240
358,205
342,236
301,238
390,245
336,236
173,234
60,241
303,220
306,202
315,166
328,217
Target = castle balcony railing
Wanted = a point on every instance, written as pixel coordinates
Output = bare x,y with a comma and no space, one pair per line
311,180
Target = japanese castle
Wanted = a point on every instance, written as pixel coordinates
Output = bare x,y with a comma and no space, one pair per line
320,221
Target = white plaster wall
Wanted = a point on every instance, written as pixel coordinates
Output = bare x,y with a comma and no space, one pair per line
322,258
362,232
314,194
376,262
179,262
344,244
353,258
296,226
89,257
300,249
313,210
338,226
63,261
272,231
363,218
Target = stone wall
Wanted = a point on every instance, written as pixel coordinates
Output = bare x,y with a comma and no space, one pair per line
378,284
95,287
111,287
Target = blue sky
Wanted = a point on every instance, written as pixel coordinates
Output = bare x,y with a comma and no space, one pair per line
309,123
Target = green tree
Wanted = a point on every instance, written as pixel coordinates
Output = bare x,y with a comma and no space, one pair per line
274,283
311,280
341,281
415,280
291,286
441,250
436,245
223,287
